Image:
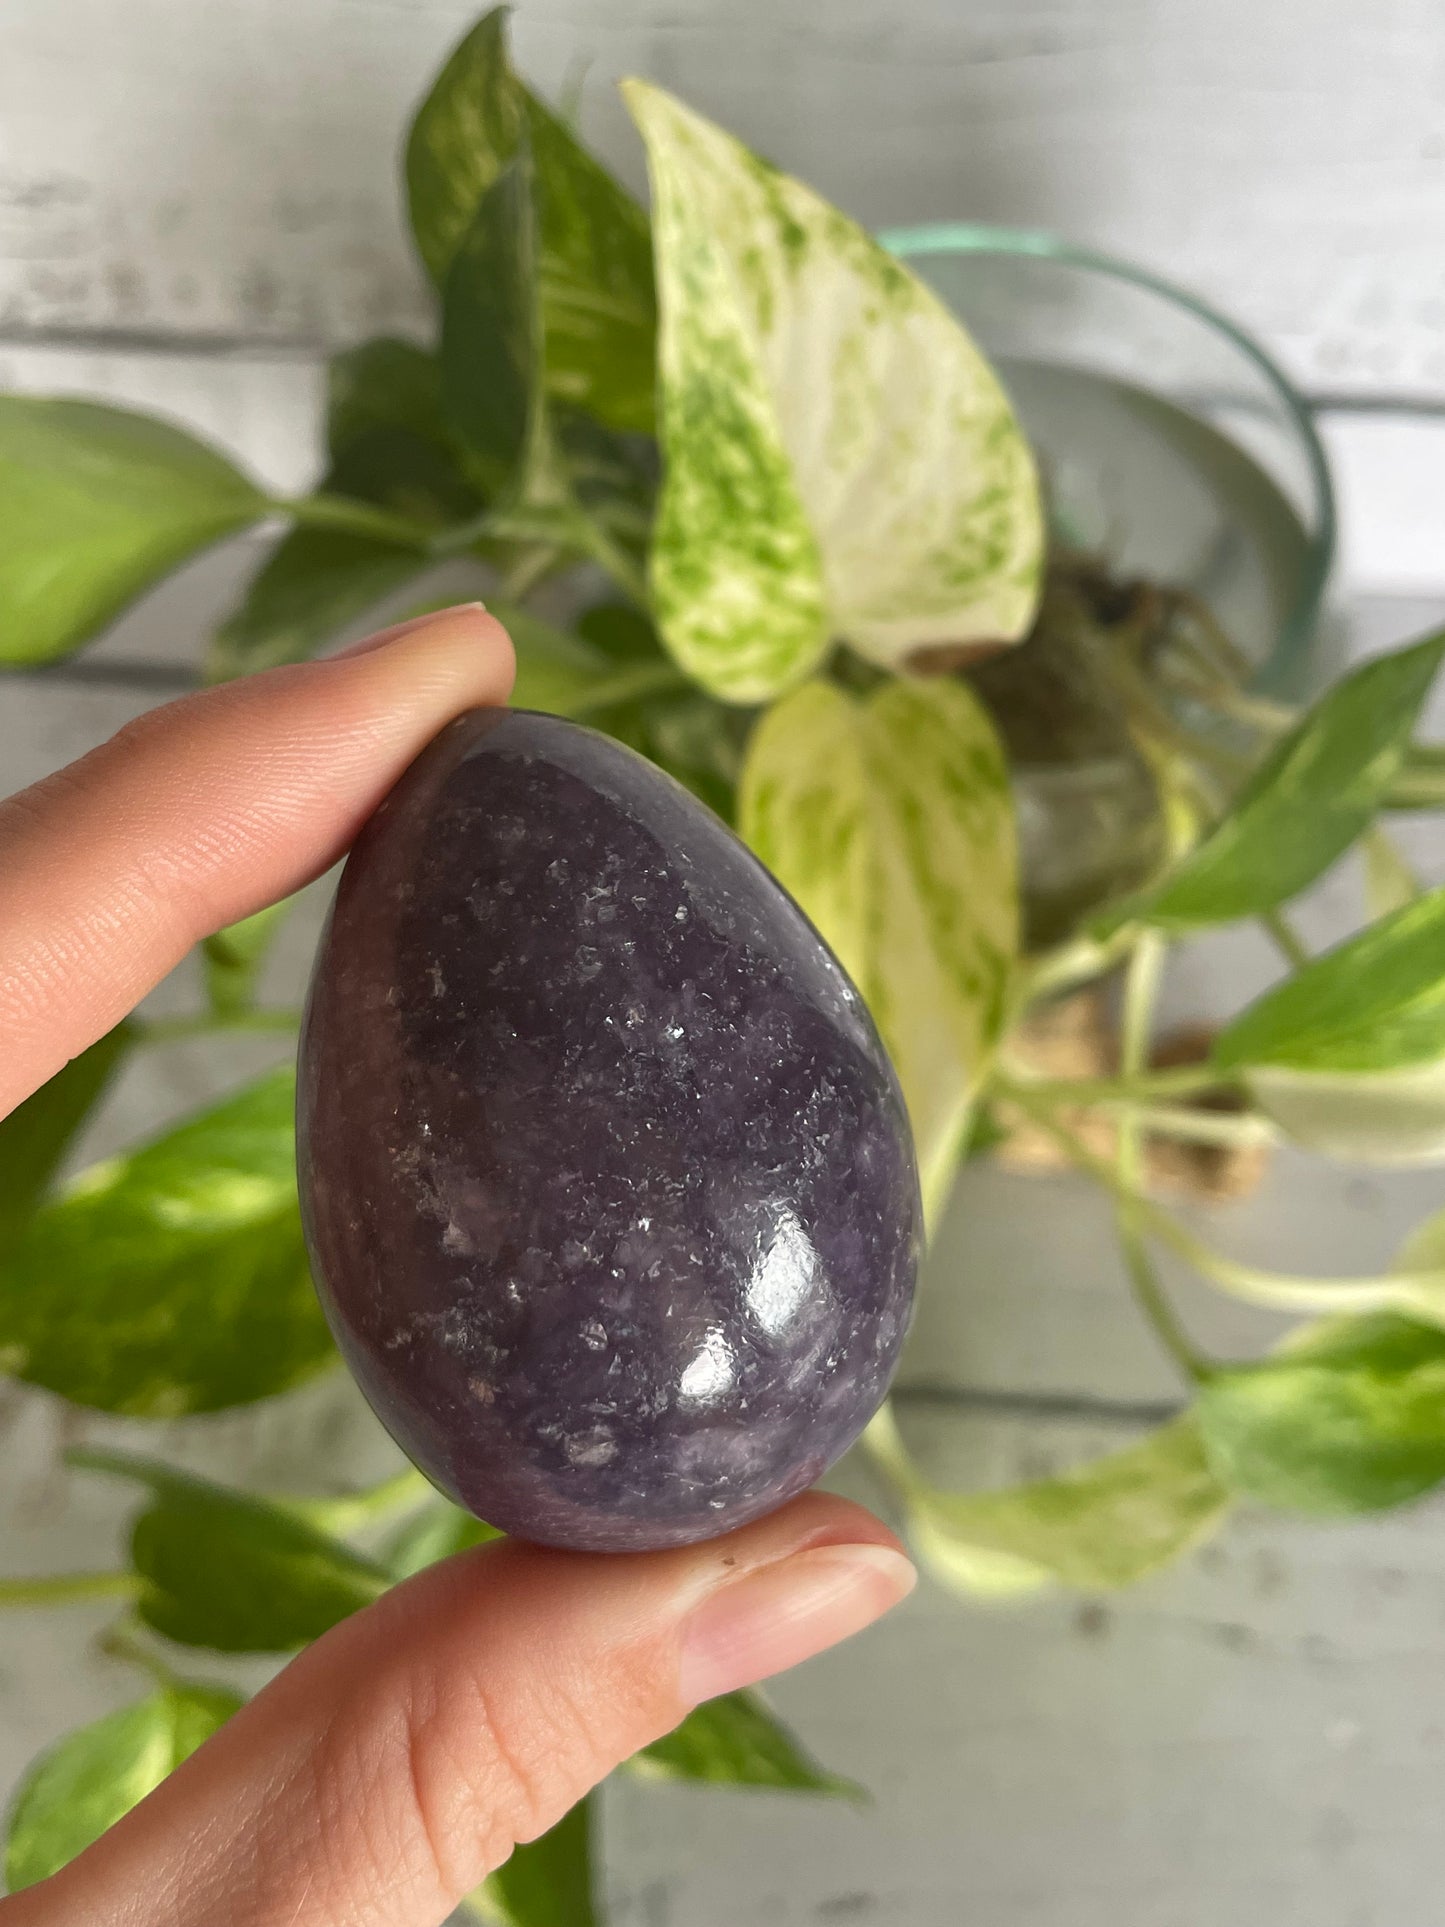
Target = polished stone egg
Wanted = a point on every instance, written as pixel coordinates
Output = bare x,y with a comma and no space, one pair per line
607,1181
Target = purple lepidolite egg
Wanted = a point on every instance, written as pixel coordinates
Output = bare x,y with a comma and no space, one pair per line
608,1185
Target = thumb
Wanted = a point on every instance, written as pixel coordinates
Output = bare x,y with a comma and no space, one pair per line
396,1762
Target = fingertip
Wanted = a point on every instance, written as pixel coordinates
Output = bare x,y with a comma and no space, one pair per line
205,809
463,645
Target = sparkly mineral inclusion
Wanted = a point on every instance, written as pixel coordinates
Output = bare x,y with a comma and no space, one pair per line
607,1183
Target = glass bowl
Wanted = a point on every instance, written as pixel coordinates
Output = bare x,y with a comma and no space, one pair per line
1175,452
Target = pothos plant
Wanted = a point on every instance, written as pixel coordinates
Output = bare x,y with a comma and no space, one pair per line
789,511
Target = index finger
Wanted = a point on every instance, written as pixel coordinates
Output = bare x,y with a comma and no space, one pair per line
203,811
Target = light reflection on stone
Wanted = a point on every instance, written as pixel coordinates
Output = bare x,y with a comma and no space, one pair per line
786,1276
711,1373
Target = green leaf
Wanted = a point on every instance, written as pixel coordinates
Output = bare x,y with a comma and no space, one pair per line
840,459
548,1882
492,351
985,1133
389,447
695,738
1390,883
96,505
620,632
309,588
1348,1055
738,1741
1352,1419
890,820
35,1137
494,360
1308,801
594,266
388,435
464,134
1103,1526
172,1279
599,305
436,1532
93,1777
1375,1002
231,1572
556,672
384,386
232,959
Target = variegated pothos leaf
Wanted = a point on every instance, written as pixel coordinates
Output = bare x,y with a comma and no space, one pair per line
890,821
1102,1525
841,461
1391,1118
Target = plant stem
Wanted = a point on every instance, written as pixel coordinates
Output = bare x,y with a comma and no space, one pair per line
883,1442
1285,937
120,1642
1180,1080
610,556
61,1588
1150,1296
1244,1131
1255,712
1154,719
527,571
1423,1291
1052,972
352,517
349,1511
565,527
1227,659
651,679
1420,784
1141,994
166,1030
1388,874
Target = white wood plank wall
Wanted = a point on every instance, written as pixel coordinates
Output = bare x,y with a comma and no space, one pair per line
195,203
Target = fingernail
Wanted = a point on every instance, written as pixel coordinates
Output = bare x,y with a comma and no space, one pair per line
785,1613
385,637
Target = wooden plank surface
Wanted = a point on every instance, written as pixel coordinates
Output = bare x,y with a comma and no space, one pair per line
230,172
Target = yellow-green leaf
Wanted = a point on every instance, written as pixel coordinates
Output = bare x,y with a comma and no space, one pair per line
1103,1526
92,1778
738,1741
230,1571
35,1137
173,1278
547,1882
840,459
232,959
889,819
437,1531
1390,883
1349,1419
1347,1055
96,505
1308,801
1374,1003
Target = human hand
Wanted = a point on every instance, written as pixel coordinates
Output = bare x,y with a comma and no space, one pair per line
397,1761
